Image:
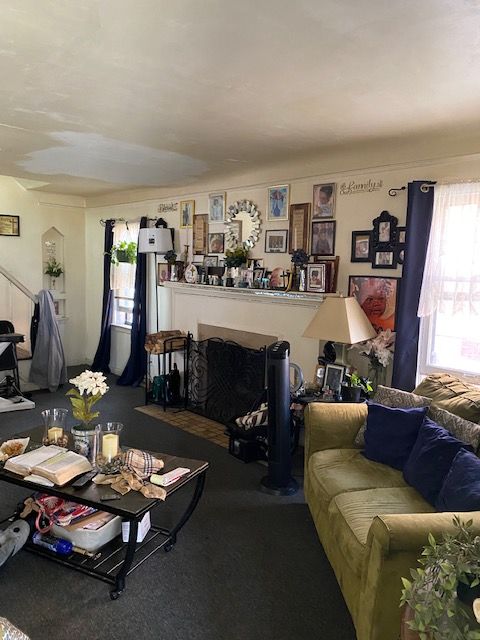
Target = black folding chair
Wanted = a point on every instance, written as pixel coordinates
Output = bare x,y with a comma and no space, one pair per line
8,359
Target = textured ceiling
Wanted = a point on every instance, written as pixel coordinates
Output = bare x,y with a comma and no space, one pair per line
104,95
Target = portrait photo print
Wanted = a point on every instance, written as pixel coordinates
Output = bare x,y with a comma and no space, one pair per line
276,241
187,209
378,298
324,200
216,207
323,238
216,242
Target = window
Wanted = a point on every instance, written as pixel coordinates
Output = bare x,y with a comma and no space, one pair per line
123,277
450,299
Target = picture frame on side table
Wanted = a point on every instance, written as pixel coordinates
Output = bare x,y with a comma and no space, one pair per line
361,246
323,238
377,296
278,200
299,226
334,374
316,278
276,240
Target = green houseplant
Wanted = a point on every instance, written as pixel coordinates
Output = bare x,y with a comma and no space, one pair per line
436,610
123,251
354,386
236,257
53,268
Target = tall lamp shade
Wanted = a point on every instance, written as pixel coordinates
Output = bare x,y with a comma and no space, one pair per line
154,240
341,320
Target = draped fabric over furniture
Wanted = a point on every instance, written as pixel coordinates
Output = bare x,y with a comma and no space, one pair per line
136,366
102,356
419,220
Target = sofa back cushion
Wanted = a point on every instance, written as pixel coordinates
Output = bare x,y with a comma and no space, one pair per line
391,433
431,458
449,393
461,488
464,430
389,397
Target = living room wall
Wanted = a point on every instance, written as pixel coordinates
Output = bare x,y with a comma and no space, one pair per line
22,256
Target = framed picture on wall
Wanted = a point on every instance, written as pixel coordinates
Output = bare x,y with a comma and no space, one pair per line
384,260
187,209
276,241
216,207
278,202
200,232
9,225
324,198
216,242
299,226
378,298
210,261
334,374
323,238
361,246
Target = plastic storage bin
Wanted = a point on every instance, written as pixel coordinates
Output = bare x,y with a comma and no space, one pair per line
88,539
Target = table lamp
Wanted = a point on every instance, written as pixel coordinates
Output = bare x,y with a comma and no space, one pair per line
155,240
339,319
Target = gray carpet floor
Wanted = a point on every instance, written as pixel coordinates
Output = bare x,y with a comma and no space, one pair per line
247,566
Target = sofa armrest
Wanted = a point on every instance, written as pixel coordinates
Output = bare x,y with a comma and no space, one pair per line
332,425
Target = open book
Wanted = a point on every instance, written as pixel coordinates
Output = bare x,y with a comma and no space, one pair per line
54,463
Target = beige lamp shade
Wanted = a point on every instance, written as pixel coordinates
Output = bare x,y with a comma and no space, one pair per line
340,320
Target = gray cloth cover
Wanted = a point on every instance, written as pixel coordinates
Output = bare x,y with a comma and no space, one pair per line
13,539
48,368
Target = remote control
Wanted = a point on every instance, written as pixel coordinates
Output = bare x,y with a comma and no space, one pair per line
81,481
169,478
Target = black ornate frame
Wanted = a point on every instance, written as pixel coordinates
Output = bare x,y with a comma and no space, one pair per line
384,223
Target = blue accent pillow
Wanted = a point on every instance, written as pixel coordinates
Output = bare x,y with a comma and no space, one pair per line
391,433
431,458
461,489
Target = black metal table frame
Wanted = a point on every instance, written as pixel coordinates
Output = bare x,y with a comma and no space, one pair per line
87,566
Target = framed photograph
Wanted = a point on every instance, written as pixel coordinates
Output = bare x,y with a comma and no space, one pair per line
278,202
378,298
384,260
401,240
210,261
276,241
384,233
323,238
361,246
258,274
324,198
187,209
197,258
255,263
334,374
216,207
163,272
216,242
9,225
299,227
279,278
401,235
331,272
316,278
200,232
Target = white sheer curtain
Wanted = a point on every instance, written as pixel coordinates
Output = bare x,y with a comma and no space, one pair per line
451,280
123,275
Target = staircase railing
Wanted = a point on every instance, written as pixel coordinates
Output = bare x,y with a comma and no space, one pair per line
17,305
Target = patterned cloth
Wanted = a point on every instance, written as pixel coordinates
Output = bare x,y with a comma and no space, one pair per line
138,467
395,399
9,632
464,430
253,419
142,463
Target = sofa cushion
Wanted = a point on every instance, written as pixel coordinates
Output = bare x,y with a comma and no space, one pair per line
395,398
430,459
454,395
351,515
461,489
391,433
336,471
468,432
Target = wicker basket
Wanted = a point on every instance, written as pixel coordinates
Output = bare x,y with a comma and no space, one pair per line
155,342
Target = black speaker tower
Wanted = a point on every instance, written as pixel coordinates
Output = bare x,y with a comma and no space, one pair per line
279,479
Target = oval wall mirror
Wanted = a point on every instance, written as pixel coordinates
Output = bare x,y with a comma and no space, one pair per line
242,225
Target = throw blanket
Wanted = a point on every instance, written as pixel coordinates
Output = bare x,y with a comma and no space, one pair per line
48,368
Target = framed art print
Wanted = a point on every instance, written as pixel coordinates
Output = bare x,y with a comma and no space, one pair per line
216,207
9,225
216,242
276,241
324,196
316,278
278,202
323,238
163,272
384,260
361,246
299,225
378,298
210,261
187,209
200,232
334,374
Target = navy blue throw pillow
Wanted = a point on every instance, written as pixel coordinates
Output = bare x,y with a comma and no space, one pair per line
391,433
431,458
461,489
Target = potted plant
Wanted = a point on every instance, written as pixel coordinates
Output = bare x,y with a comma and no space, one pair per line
434,598
53,269
354,386
234,258
123,251
299,261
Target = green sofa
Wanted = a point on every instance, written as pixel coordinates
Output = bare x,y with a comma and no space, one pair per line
372,525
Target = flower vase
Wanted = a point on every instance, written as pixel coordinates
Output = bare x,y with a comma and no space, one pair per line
173,273
52,284
377,374
86,441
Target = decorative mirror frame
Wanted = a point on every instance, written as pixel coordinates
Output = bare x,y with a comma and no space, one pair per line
384,247
232,212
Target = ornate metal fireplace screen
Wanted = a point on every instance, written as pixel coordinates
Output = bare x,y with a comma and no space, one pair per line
225,380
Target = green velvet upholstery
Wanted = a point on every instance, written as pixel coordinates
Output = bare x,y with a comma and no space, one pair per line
371,524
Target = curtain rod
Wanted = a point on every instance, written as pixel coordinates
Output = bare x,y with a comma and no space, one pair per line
423,187
104,222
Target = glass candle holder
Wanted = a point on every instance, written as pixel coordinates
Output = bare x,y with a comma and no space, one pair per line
54,421
110,455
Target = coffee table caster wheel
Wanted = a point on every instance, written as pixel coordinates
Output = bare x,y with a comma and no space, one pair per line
168,547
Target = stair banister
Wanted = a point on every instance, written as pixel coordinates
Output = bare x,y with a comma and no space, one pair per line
18,284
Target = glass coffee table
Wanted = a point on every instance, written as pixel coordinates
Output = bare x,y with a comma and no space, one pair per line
116,560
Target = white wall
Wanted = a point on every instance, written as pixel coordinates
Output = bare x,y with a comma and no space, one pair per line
22,256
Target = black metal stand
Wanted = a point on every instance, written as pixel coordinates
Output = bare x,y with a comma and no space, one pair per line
164,361
115,561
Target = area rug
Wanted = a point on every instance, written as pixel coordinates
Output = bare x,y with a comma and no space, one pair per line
190,422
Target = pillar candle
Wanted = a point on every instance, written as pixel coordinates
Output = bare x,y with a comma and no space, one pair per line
110,445
54,433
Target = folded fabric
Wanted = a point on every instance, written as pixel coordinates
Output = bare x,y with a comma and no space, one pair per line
142,463
252,419
461,488
431,458
391,433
